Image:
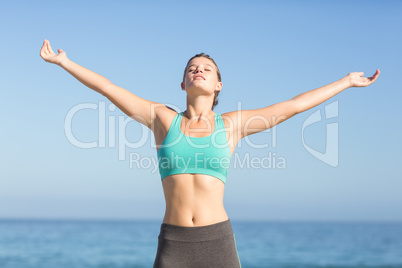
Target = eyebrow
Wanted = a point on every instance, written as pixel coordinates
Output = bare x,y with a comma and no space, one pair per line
205,64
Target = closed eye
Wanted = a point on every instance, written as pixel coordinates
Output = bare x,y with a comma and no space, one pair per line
191,70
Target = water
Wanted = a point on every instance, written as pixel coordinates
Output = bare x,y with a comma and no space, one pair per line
132,244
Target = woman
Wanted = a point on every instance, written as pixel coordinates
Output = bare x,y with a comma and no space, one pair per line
194,149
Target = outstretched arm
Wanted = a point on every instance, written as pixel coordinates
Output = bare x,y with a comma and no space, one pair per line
248,122
312,98
132,105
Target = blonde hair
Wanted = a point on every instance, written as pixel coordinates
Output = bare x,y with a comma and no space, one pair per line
215,102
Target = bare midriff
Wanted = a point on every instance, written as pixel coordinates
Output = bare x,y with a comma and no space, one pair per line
193,200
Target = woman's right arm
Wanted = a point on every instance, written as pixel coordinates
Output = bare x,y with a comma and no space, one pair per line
139,109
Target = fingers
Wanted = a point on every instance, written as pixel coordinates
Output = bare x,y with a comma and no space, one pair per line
50,47
375,76
46,50
47,47
43,51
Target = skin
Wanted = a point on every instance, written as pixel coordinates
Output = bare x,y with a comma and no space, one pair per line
197,199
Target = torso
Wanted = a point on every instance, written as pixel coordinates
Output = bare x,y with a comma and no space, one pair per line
192,199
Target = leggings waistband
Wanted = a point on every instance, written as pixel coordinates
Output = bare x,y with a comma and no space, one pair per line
196,234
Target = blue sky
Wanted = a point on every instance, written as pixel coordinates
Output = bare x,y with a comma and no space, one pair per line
267,52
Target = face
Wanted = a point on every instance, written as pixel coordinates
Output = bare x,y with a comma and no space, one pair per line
201,76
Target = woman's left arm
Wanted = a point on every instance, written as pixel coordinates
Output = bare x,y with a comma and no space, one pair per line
312,98
248,122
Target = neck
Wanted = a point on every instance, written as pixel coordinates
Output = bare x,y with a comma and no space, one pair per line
199,107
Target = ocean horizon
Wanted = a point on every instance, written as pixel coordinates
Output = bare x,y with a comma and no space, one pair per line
128,243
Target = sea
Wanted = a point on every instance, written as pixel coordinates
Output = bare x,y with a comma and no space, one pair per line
35,243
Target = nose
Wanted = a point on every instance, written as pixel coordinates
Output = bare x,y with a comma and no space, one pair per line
197,70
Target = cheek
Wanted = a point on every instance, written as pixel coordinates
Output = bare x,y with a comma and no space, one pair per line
214,80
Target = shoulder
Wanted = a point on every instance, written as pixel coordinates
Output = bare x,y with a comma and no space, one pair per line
165,112
164,116
230,118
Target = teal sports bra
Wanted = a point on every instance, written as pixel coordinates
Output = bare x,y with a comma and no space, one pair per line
180,154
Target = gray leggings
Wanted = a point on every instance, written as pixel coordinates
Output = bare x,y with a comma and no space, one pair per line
193,247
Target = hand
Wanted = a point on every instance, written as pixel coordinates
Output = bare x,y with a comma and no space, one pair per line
356,79
48,55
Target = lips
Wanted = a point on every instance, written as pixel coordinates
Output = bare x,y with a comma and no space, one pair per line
198,75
